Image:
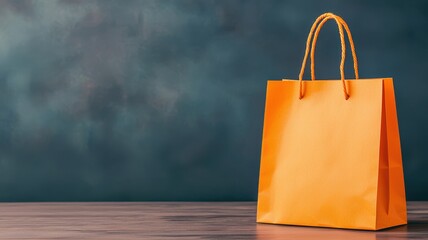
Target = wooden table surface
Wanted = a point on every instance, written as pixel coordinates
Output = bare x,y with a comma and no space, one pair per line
174,220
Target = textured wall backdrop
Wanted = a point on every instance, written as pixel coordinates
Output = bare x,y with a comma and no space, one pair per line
164,100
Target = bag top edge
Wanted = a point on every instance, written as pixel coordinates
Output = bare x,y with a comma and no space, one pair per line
323,80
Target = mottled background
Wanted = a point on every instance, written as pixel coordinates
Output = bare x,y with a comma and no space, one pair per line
163,100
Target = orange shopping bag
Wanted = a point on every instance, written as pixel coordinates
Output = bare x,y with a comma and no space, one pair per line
331,152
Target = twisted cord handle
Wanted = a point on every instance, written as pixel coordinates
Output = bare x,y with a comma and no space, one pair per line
316,27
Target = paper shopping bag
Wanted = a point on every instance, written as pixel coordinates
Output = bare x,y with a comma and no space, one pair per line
331,152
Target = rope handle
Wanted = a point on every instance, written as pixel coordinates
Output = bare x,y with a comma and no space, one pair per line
351,43
316,27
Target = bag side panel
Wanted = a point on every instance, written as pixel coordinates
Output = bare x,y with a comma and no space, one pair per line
394,212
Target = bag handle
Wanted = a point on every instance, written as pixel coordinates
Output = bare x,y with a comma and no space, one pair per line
316,27
350,39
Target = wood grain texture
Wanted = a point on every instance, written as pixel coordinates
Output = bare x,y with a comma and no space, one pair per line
174,220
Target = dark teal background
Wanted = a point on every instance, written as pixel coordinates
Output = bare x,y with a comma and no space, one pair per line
164,99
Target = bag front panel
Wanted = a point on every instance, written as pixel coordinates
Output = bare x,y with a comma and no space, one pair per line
320,154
